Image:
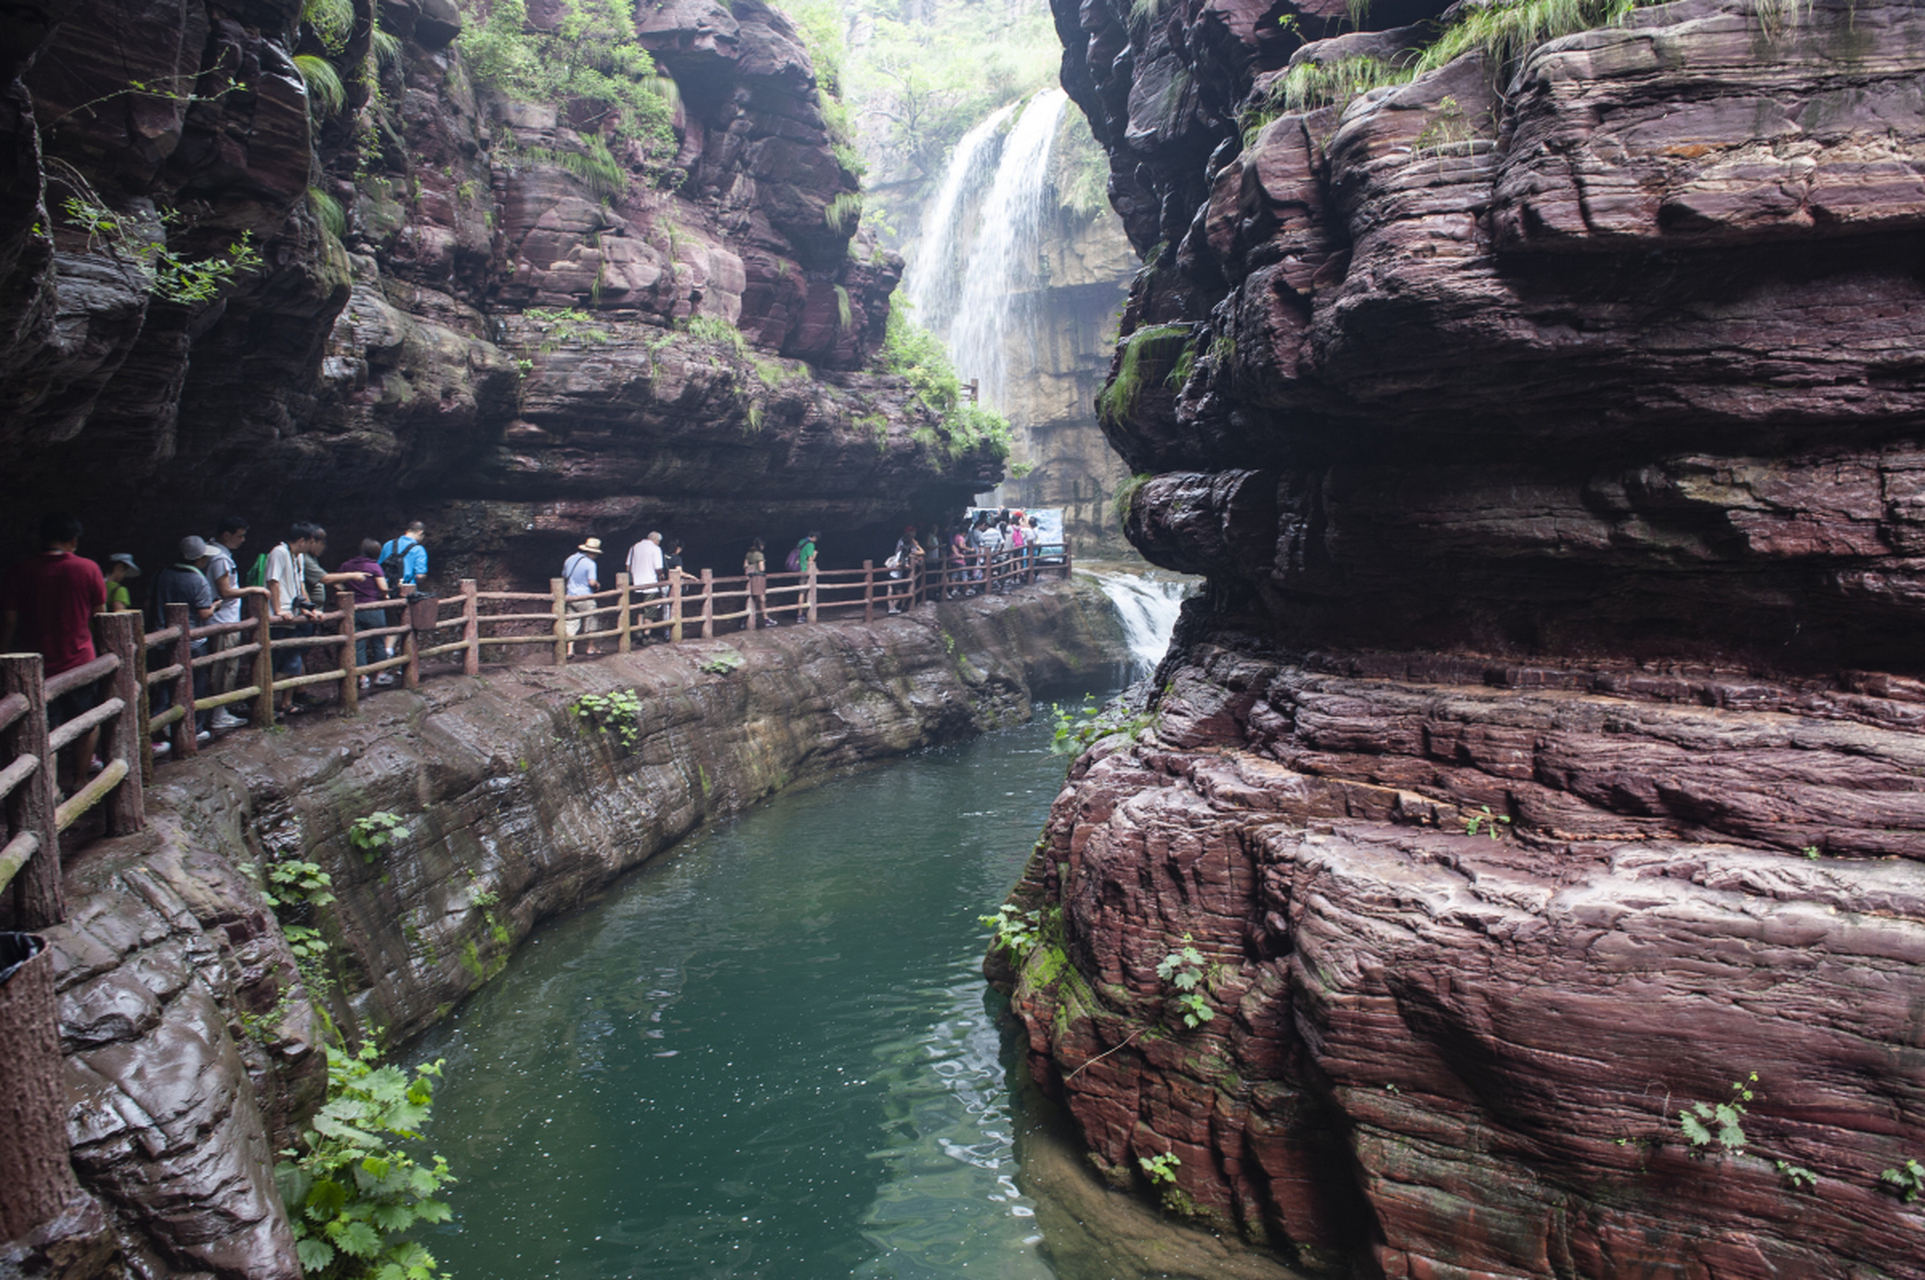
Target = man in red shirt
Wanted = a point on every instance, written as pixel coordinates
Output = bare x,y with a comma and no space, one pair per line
48,601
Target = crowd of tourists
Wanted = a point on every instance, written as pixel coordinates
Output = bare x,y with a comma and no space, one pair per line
48,599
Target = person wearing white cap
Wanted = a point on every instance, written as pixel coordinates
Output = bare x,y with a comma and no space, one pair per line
579,572
185,582
120,567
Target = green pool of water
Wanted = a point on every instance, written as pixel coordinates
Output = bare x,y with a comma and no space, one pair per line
771,1054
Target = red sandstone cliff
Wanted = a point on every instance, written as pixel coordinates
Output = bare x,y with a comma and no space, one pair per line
413,364
1550,434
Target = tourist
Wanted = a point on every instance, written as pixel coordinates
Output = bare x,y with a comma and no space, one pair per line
581,582
224,576
645,570
956,570
317,580
1017,548
805,552
289,607
404,559
902,564
46,603
990,541
368,588
671,574
120,567
404,563
185,582
756,566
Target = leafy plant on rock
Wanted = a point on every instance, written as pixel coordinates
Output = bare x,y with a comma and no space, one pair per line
1708,1124
374,833
1075,734
1184,969
1906,1181
351,1192
1160,1169
1491,824
619,713
1014,930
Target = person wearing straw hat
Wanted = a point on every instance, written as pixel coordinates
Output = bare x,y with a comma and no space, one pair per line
120,568
582,582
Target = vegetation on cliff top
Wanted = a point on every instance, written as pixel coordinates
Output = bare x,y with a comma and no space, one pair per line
590,59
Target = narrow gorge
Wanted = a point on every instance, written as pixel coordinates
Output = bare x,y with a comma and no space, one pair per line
1512,867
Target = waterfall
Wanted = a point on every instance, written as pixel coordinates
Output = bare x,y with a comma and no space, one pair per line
1003,261
1148,606
933,283
975,298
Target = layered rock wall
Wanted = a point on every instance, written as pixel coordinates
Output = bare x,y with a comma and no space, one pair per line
495,337
191,1040
1544,754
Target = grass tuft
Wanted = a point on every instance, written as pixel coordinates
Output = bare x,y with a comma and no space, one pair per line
1506,32
324,88
1117,402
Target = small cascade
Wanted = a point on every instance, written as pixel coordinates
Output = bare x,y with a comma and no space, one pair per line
1003,265
933,283
1148,606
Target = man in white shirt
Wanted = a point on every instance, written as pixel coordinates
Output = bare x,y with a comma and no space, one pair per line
287,605
645,568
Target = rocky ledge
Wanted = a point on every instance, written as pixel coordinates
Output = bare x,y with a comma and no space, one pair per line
191,1040
1546,752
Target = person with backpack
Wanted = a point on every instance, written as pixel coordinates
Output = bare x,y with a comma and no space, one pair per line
801,560
902,565
288,606
404,563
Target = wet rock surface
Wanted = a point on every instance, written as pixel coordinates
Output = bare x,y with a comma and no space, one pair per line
1543,755
193,1047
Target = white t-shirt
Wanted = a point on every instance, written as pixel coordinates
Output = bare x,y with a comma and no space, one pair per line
644,562
282,569
221,561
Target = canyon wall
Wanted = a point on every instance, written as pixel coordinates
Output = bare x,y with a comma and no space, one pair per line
191,1039
1547,750
514,319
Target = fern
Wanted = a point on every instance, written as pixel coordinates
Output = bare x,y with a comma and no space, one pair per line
324,87
843,213
1506,32
331,21
595,165
328,212
1309,85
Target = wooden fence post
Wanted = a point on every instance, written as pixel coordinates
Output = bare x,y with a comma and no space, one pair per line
868,591
672,593
624,624
811,593
470,628
257,608
123,636
186,741
37,1182
1066,559
558,594
39,900
411,647
350,682
708,604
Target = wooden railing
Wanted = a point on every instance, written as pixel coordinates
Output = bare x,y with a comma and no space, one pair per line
474,627
35,816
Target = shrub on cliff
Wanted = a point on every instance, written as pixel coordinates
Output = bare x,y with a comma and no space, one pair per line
590,56
911,351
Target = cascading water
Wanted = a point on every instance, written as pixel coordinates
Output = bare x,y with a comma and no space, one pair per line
933,283
1148,606
1003,268
976,300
